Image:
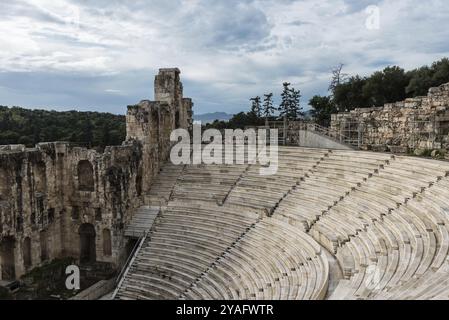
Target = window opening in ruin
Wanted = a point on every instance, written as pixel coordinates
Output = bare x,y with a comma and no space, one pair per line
98,214
87,243
107,242
27,259
7,258
33,218
51,215
40,177
85,176
44,246
75,213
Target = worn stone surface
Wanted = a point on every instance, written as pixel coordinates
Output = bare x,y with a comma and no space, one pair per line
57,200
418,123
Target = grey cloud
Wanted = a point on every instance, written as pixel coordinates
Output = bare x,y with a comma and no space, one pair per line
14,9
228,50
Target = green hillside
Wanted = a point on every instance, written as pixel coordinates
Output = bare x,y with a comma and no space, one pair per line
90,129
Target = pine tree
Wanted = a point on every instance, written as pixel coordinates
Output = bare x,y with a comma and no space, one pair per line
284,107
290,105
256,108
268,108
295,110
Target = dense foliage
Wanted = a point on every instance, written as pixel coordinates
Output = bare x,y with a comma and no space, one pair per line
392,84
90,129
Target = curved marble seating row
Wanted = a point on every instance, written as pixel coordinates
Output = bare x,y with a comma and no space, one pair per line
384,218
183,243
395,255
328,182
265,191
272,261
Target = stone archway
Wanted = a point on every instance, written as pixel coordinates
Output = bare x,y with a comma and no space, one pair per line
87,243
7,246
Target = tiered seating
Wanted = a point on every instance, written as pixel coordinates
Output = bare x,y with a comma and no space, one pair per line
427,276
264,192
272,261
183,243
382,247
207,182
327,183
374,198
229,233
141,222
163,185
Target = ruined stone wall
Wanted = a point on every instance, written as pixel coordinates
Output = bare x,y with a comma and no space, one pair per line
46,197
417,123
55,196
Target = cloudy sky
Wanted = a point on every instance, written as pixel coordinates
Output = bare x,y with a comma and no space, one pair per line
103,54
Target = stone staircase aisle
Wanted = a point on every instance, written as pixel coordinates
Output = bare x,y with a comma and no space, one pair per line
142,221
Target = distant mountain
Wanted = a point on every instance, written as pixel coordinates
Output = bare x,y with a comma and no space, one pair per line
211,117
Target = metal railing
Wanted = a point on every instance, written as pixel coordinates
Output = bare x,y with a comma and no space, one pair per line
337,136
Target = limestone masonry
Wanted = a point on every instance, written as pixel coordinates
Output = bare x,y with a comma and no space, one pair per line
417,123
58,200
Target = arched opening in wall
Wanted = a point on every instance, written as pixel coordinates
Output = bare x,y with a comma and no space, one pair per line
107,242
87,243
85,176
7,254
40,177
177,123
27,260
43,241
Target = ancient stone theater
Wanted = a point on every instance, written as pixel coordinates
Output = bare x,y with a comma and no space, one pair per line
332,223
